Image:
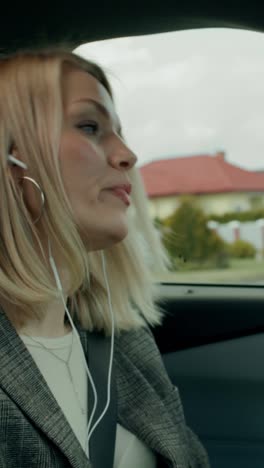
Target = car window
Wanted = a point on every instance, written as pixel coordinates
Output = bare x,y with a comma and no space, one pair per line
192,108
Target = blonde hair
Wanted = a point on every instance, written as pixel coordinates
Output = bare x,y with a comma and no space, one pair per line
31,112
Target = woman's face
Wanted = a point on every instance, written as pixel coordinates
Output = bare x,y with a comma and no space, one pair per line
95,161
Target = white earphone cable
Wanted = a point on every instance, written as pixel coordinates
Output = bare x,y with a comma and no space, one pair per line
60,289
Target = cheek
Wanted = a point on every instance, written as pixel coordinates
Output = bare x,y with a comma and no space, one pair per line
81,163
75,152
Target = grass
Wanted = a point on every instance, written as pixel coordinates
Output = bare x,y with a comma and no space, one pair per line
240,271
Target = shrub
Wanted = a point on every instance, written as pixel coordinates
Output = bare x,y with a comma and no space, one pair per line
242,249
186,235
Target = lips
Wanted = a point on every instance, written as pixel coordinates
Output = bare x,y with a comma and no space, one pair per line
126,187
122,194
122,191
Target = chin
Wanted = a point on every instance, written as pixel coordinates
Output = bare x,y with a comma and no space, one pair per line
114,237
106,239
119,237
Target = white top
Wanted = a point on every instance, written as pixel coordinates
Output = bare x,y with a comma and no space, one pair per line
129,450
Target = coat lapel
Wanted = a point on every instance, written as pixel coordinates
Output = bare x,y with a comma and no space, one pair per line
22,381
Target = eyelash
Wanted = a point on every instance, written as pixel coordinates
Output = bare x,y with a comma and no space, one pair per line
93,125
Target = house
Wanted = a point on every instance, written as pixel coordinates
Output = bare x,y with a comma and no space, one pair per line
219,186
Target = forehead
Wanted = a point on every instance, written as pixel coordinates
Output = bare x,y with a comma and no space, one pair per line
78,87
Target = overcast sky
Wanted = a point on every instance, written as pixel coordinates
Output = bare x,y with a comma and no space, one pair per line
188,92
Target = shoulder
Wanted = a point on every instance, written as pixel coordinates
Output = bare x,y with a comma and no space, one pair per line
136,352
138,342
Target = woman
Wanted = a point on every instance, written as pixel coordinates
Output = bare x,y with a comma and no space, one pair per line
76,291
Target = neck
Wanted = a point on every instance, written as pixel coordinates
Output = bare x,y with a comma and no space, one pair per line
52,323
44,331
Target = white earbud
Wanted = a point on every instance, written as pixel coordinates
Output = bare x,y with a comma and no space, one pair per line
16,161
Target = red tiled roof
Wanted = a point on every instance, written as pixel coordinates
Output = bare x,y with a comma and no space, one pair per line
198,175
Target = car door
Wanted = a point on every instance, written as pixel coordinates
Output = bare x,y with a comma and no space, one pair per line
212,344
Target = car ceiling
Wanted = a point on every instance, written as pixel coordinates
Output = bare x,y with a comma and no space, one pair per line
75,22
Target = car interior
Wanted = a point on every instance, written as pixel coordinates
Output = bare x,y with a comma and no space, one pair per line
212,337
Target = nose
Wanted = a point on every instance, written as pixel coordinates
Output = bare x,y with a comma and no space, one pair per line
121,157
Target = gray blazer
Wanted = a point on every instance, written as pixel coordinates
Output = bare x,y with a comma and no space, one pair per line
35,433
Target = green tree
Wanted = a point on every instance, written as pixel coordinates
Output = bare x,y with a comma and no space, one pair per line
186,235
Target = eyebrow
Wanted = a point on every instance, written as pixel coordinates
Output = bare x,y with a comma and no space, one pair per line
100,108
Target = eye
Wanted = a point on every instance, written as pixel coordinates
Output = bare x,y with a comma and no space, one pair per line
89,128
